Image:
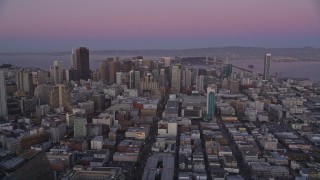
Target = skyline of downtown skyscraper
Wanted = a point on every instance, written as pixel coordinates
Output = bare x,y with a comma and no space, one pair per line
196,98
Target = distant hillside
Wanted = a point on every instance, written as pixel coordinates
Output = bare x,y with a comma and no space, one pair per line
232,52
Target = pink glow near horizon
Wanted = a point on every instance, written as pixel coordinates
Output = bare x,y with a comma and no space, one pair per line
37,19
138,19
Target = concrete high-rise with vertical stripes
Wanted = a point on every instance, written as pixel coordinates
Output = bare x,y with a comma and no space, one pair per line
59,97
186,78
176,78
56,72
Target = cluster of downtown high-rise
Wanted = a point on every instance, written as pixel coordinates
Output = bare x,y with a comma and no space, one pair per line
155,118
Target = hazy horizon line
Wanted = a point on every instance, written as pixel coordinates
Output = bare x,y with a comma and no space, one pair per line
151,49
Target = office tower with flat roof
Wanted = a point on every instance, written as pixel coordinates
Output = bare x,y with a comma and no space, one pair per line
41,92
99,101
155,73
119,78
163,82
56,72
164,76
80,128
134,79
127,66
267,64
227,70
104,71
234,87
95,75
149,85
210,102
186,78
194,75
3,96
146,63
82,63
200,83
137,76
131,80
114,67
59,96
72,75
25,82
167,61
176,78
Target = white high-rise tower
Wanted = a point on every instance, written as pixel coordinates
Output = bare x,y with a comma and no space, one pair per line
267,64
73,60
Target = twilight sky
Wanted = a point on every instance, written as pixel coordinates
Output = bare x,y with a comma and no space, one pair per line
38,25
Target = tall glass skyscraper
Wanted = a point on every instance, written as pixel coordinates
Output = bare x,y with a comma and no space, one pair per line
267,64
82,63
210,103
